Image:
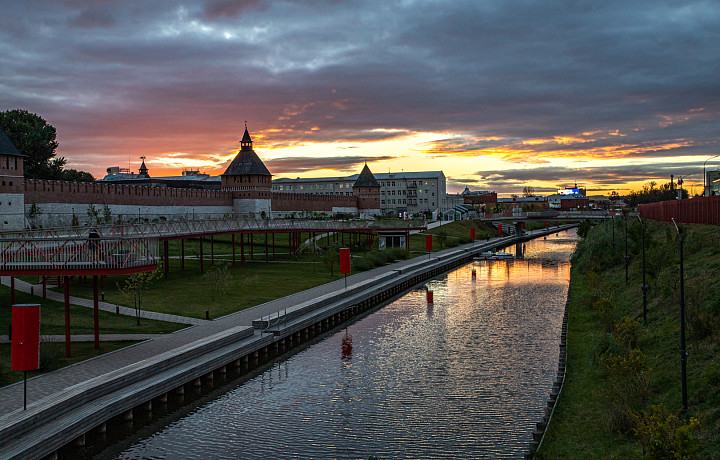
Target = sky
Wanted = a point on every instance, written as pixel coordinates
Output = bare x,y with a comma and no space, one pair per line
500,95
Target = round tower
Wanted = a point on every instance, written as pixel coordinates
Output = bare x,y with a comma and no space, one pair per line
249,181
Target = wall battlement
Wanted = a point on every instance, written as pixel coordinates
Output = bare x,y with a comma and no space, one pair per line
51,191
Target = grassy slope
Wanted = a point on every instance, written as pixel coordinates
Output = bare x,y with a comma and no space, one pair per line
581,426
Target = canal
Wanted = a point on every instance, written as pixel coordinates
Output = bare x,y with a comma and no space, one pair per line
464,377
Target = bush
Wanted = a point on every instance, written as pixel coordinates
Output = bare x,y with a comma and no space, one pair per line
627,332
605,309
663,435
627,387
397,253
363,264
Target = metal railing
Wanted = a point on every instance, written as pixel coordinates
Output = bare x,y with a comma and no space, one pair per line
186,227
77,253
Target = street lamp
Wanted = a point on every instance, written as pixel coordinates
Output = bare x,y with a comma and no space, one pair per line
627,257
683,353
645,287
705,176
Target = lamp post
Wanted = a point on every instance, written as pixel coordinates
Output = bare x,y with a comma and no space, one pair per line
705,175
627,257
645,287
683,353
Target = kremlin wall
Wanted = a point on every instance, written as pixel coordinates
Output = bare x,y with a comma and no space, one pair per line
246,190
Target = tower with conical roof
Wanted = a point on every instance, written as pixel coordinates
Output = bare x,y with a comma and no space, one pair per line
367,190
143,169
249,181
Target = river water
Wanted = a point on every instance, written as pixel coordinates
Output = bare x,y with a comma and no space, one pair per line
465,377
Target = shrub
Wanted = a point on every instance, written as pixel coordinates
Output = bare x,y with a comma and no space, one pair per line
397,253
362,264
663,435
605,309
627,385
627,332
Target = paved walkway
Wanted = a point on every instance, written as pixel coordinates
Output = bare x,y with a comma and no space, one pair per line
91,338
24,286
11,396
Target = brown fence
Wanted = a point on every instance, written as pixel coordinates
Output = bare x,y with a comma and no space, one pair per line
699,210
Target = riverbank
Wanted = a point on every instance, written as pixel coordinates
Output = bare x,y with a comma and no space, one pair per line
622,392
81,397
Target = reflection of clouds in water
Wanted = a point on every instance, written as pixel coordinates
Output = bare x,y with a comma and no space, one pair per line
464,377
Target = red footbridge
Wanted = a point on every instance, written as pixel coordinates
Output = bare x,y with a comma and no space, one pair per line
103,250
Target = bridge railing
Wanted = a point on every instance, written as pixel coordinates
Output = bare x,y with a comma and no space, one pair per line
183,227
73,253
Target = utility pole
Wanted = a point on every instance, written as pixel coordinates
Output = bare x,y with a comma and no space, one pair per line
683,353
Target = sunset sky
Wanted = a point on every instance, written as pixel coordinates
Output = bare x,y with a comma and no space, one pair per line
498,94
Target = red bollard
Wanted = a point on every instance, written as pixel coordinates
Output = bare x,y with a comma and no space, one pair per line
474,274
429,296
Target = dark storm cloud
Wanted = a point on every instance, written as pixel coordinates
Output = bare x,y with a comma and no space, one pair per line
604,178
292,165
111,74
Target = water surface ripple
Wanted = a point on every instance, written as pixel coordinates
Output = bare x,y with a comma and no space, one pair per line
465,377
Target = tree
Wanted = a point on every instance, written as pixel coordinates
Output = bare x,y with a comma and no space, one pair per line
36,139
442,238
219,277
528,191
331,257
651,193
33,137
135,287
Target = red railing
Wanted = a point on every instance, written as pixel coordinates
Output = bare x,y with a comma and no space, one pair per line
70,255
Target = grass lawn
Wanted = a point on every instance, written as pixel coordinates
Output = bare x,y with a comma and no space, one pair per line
52,357
591,420
188,293
52,318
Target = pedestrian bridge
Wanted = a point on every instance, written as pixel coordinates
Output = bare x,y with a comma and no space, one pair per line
549,216
134,247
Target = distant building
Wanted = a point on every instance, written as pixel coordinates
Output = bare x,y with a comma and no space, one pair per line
190,178
568,202
479,197
540,201
712,181
411,192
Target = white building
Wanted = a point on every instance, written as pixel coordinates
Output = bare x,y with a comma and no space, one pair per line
411,192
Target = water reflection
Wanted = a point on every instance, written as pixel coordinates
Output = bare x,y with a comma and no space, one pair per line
465,376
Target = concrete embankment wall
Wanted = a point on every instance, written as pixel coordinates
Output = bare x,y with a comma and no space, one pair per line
65,417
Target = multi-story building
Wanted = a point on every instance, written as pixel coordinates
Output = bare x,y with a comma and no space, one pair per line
411,192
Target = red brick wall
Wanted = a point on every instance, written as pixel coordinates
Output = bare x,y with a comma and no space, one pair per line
698,210
487,198
572,203
310,202
11,174
44,191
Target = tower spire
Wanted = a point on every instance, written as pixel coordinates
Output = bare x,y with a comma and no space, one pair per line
246,142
